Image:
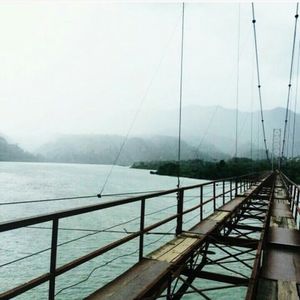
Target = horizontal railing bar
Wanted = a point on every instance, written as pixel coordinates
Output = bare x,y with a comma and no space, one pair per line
19,223
25,287
289,180
117,243
77,262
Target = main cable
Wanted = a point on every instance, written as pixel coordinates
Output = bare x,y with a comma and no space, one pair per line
259,83
295,104
289,85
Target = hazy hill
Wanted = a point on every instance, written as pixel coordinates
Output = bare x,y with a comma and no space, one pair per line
216,125
12,152
103,149
207,132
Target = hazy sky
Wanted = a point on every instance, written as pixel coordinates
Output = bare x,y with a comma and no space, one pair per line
77,66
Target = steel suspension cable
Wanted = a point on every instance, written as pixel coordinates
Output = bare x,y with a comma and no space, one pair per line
142,100
79,197
259,83
288,131
295,104
251,107
289,85
237,80
206,131
180,98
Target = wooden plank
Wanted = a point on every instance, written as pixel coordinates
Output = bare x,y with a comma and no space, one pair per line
130,284
275,221
204,227
282,222
156,254
287,290
174,253
280,193
219,215
291,223
284,236
231,205
267,289
281,264
281,213
171,251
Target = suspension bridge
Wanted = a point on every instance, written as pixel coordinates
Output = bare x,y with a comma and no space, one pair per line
249,239
245,233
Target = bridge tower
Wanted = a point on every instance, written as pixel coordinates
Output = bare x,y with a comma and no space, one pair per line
276,147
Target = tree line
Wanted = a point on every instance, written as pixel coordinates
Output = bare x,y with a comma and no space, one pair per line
197,168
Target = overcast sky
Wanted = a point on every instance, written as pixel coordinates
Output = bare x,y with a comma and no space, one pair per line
77,66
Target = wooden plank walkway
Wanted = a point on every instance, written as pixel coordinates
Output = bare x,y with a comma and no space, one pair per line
157,265
278,277
280,274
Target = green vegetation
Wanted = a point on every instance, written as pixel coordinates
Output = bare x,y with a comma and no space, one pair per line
291,169
215,170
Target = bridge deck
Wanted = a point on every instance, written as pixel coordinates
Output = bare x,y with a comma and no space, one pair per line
155,269
249,246
279,276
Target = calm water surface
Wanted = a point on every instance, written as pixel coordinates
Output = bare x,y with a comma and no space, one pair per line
32,181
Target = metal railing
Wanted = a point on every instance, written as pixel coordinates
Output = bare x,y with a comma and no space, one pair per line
294,195
236,186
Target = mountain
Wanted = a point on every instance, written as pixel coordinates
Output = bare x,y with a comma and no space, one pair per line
12,152
215,125
103,149
208,132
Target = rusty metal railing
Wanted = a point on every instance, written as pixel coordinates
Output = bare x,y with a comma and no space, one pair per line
236,186
294,195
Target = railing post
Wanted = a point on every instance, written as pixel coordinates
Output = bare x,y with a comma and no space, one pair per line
290,187
297,205
201,203
142,225
293,197
236,187
179,211
214,194
53,259
230,189
223,189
